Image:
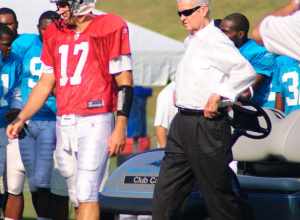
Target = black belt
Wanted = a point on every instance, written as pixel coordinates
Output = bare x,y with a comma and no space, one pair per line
186,111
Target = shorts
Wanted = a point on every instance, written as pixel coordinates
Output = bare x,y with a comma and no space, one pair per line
82,153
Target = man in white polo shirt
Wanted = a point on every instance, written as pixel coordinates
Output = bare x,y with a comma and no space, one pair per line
198,146
280,30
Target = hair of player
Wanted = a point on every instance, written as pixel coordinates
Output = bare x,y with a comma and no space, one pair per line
240,22
4,29
52,15
9,11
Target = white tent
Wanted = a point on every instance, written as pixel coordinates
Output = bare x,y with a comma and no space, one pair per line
155,56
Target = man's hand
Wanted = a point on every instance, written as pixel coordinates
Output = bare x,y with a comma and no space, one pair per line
14,129
117,140
212,105
296,3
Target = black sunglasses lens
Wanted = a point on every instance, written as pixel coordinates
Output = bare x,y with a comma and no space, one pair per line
185,13
188,12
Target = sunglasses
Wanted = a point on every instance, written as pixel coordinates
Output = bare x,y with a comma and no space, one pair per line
188,12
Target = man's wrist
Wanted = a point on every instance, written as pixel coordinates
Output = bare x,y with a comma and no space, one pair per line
121,123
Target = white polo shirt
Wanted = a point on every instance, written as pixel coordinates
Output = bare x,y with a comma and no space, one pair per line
211,64
281,35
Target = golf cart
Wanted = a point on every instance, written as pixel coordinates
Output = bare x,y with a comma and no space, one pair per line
268,170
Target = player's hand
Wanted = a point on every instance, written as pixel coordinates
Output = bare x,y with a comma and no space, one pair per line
14,129
212,105
116,142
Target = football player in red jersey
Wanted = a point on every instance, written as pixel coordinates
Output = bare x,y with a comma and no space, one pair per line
87,59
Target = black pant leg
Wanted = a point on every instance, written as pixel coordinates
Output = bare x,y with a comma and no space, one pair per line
208,156
175,183
215,181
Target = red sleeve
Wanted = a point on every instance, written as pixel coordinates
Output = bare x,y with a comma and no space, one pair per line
47,54
119,43
115,35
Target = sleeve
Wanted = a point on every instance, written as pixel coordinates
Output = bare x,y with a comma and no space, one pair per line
120,64
161,113
119,42
120,54
47,55
238,72
281,35
263,63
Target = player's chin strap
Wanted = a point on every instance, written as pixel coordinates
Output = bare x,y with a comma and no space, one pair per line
125,96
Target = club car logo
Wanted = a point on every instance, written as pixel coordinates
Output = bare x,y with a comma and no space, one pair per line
144,180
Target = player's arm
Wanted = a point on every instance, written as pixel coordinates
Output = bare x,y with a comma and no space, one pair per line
117,140
288,9
36,100
259,80
161,135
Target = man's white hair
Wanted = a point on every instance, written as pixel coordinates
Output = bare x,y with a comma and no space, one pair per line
196,2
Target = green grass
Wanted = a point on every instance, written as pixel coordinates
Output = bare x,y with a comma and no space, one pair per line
161,16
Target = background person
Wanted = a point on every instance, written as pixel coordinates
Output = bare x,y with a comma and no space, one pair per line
10,70
15,201
198,145
164,114
236,27
280,30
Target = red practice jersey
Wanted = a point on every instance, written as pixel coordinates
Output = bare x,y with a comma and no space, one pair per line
80,62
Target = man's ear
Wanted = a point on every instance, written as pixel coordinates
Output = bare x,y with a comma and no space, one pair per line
241,34
205,11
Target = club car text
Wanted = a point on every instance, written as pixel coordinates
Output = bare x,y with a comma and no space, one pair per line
140,180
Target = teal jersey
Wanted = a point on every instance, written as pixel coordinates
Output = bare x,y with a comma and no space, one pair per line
288,84
10,71
263,63
31,73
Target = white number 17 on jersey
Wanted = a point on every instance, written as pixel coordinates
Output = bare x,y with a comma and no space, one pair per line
64,51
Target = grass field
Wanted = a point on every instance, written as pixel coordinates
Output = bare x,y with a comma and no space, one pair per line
161,16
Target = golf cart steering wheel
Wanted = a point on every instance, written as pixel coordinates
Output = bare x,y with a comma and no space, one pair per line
246,119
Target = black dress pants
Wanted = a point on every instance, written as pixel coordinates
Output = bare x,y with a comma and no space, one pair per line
197,150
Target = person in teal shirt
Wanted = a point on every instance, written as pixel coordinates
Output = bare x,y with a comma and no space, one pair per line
10,71
236,27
